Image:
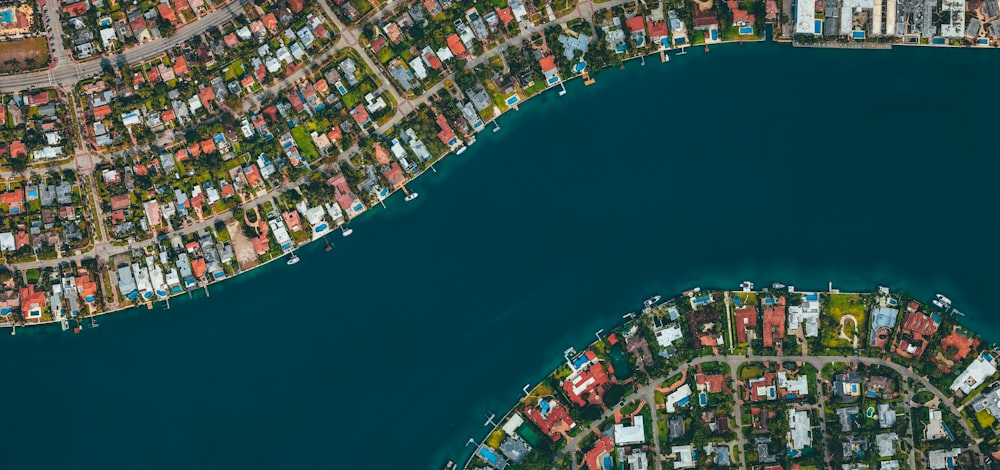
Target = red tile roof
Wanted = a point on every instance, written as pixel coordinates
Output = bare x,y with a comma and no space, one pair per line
198,267
456,46
558,416
703,18
230,39
207,146
270,21
11,198
76,9
166,12
547,63
433,60
17,149
260,244
658,29
506,15
296,5
360,115
740,16
206,95
636,23
167,116
122,201
774,322
602,446
447,134
292,220
394,175
381,154
180,65
21,239
711,383
32,299
253,176
589,382
746,318
227,191
335,134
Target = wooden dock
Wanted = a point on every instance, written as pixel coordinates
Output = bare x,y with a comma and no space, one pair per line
587,81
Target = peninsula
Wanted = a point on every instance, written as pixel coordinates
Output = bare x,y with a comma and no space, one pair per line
766,379
150,150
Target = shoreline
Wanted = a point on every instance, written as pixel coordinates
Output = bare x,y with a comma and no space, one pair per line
277,190
862,356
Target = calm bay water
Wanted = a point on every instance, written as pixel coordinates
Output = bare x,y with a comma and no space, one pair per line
758,162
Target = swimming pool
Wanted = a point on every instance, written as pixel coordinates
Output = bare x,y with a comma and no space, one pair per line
937,41
857,34
812,297
512,100
702,398
358,207
321,227
553,80
640,41
7,16
490,456
579,67
746,30
715,34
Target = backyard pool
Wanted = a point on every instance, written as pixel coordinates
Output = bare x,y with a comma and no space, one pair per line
7,16
746,30
512,100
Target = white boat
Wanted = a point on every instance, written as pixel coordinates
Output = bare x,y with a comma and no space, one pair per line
943,299
460,150
411,196
747,286
777,285
938,303
348,231
293,259
651,301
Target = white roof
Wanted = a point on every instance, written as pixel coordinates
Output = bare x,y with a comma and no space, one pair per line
805,17
634,434
676,396
981,369
683,456
798,386
668,335
6,241
805,316
798,429
512,424
418,68
940,459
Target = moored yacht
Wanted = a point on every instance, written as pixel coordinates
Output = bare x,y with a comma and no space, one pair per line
292,259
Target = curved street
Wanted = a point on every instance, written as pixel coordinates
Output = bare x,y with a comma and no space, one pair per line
646,392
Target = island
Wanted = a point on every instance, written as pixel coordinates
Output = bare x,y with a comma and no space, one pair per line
765,379
151,149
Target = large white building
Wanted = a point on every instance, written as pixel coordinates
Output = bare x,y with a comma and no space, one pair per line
799,429
805,17
628,435
805,316
976,374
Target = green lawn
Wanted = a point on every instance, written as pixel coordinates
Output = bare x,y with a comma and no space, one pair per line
837,307
306,147
235,71
535,88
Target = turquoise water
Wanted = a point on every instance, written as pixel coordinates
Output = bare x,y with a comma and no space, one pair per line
389,351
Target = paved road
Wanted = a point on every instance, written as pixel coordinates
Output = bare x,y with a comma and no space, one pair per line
67,72
817,361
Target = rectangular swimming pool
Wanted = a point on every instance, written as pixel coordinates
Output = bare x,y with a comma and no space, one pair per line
746,30
7,16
